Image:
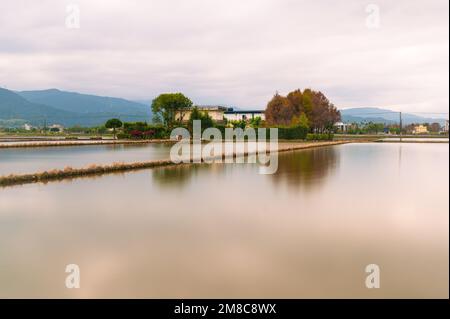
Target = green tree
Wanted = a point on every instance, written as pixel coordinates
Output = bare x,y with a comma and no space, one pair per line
114,124
307,101
296,99
239,124
205,120
301,120
372,127
156,119
166,106
255,121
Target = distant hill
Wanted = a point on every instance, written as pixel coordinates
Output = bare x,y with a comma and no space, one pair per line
89,104
15,107
83,103
379,115
54,106
147,103
67,108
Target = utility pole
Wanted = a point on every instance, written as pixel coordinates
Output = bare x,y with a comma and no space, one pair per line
400,126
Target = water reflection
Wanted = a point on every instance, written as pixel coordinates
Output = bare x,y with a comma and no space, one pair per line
178,175
306,169
215,231
29,160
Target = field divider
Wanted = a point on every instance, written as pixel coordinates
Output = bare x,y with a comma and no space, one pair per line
56,143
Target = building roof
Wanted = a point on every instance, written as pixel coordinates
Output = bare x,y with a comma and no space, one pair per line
245,112
212,108
227,110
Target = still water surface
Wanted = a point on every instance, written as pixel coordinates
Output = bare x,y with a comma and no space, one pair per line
225,231
37,159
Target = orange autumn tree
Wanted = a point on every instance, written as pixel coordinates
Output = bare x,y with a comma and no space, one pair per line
279,111
313,107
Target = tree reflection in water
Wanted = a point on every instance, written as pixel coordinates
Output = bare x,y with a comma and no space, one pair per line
178,175
298,169
306,168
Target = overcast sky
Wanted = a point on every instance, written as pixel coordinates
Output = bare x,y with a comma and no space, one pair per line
232,52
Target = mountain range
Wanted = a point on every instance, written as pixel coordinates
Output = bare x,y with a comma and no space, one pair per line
46,107
53,106
379,115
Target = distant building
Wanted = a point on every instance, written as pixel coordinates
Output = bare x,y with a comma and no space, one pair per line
216,112
420,129
445,127
27,127
219,113
342,127
56,128
239,115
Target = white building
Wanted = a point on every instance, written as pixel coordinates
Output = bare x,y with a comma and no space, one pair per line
56,128
420,129
445,127
214,111
219,113
341,126
239,115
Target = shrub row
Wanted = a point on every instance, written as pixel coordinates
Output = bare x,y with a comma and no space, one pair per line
285,133
292,133
320,137
142,130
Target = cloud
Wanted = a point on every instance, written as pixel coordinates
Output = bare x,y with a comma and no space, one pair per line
232,52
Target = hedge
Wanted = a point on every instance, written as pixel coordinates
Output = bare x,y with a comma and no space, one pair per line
320,137
140,130
292,133
285,133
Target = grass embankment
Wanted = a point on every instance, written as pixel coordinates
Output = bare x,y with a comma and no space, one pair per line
78,143
69,172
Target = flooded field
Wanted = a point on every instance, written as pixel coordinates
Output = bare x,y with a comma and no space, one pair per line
35,159
223,230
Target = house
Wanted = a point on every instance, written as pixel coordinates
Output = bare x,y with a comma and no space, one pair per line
219,113
342,127
56,128
214,111
239,115
27,127
445,127
420,129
